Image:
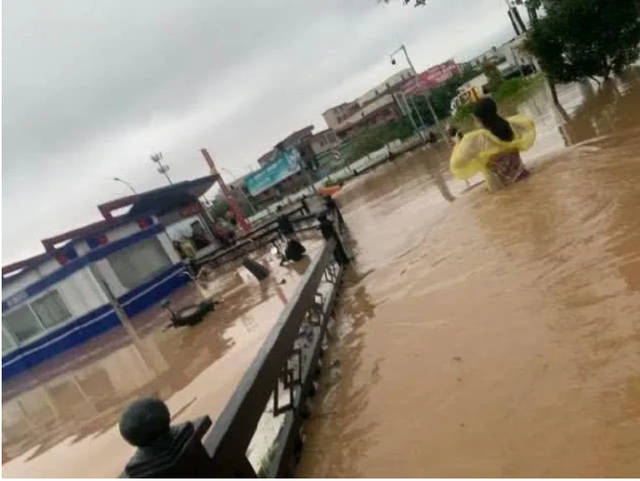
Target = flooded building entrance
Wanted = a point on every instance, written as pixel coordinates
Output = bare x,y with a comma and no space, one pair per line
497,335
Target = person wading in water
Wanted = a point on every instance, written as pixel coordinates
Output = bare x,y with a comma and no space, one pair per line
494,149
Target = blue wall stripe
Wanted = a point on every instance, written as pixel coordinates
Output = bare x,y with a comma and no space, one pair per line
92,324
72,267
117,222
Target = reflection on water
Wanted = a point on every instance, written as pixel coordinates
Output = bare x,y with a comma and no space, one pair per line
60,419
497,335
493,336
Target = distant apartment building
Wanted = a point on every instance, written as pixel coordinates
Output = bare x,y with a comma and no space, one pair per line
299,139
379,111
310,146
493,55
324,141
374,107
511,58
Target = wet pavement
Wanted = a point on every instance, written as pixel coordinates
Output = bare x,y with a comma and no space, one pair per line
498,335
60,419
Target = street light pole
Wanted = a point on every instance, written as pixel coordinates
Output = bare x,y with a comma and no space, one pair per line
439,180
414,72
118,179
162,168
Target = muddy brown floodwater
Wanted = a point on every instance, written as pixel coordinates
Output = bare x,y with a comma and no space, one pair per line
498,335
60,419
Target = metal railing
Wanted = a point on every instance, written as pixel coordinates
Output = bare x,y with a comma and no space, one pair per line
262,236
280,380
288,361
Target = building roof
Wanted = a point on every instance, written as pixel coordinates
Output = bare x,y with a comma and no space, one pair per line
266,158
290,141
150,203
296,136
343,104
381,102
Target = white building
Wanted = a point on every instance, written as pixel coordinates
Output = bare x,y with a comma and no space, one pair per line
53,301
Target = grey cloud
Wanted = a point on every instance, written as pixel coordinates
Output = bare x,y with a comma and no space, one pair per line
91,87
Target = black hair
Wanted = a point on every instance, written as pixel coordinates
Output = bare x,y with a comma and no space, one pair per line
455,133
486,111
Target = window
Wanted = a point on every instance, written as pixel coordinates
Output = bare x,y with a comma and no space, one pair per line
7,342
23,323
138,263
51,309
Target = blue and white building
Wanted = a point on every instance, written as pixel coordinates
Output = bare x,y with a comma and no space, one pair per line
53,301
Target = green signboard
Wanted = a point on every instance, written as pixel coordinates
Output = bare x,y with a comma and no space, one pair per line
285,164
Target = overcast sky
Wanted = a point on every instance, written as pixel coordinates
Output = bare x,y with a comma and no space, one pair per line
91,88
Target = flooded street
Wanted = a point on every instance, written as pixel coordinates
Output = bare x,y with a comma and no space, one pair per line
498,335
60,419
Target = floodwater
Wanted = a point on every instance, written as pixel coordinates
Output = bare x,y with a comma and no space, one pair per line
60,420
498,335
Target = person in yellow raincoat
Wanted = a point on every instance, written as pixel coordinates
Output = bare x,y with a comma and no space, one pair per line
494,150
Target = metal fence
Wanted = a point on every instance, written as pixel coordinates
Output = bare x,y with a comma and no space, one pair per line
281,379
258,238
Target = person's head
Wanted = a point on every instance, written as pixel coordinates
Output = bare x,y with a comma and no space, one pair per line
486,112
279,209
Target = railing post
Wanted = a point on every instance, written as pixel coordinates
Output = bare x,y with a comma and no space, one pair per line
329,232
164,451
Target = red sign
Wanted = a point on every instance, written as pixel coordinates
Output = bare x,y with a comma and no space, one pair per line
191,210
432,77
146,222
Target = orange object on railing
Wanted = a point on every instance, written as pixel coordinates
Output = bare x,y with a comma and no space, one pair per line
329,190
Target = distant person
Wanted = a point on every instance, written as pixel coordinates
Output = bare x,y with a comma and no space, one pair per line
224,236
432,137
199,237
178,248
494,149
285,226
332,206
325,226
187,247
293,252
305,205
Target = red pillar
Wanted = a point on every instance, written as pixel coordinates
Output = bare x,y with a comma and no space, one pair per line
243,223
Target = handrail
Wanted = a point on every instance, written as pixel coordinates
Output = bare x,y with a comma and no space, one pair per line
251,242
237,423
289,361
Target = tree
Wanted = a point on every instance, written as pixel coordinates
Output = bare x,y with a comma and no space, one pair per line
586,38
442,95
493,75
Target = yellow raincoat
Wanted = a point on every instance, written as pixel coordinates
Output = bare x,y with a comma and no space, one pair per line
476,149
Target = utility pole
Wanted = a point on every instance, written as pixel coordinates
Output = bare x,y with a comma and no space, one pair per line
414,72
162,168
243,224
437,176
242,192
152,358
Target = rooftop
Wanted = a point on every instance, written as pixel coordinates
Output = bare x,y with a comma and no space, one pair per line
150,203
